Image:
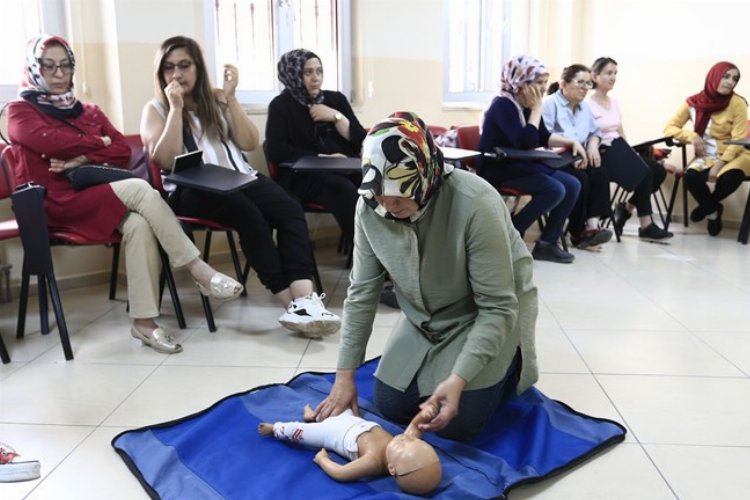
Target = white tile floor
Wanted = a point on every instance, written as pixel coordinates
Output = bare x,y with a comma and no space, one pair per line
654,336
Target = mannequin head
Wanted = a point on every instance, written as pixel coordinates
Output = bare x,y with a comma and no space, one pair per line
414,464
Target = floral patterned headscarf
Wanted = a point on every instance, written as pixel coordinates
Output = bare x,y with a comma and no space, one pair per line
400,158
290,67
517,72
34,86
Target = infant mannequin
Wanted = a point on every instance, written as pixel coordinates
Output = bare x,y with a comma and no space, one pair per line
372,450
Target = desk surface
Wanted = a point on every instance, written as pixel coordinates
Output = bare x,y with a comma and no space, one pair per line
740,142
326,164
211,178
453,154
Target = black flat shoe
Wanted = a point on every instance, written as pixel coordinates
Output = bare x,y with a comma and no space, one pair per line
714,225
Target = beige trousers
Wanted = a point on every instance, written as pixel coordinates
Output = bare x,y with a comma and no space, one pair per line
148,223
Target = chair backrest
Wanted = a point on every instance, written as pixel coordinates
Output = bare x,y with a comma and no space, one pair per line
273,169
138,157
437,130
468,137
154,175
8,180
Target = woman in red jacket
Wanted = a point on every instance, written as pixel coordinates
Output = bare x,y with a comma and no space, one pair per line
51,132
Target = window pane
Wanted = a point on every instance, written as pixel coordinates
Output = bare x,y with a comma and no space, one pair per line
244,35
315,29
478,42
20,20
254,33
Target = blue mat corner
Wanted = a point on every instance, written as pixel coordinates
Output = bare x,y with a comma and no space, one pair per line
217,452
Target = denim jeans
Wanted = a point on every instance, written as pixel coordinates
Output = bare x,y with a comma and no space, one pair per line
474,410
555,193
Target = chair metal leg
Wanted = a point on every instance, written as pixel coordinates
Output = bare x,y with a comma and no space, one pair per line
113,273
208,312
236,262
23,300
316,274
672,199
684,204
41,286
742,236
169,278
59,315
4,356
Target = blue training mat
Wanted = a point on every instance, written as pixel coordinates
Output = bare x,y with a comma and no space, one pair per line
218,453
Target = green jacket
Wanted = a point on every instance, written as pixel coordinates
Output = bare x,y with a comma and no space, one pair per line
463,278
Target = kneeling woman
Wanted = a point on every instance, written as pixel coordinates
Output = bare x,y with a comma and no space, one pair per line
52,132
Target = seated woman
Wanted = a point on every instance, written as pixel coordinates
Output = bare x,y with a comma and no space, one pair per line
188,114
718,114
53,132
608,118
305,120
565,113
514,120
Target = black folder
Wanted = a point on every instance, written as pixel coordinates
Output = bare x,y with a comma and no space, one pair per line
625,166
190,171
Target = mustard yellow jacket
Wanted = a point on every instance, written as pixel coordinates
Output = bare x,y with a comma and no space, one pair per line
727,124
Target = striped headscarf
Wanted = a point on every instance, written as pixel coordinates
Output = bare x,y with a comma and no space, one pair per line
400,158
34,86
290,67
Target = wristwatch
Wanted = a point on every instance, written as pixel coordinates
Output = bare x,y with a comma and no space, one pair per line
337,117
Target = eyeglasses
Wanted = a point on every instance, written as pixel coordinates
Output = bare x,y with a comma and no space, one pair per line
584,84
182,66
50,68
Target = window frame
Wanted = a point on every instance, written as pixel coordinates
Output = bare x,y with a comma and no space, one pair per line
476,99
54,16
258,100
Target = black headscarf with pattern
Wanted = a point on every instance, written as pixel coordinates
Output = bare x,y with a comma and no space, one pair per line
291,67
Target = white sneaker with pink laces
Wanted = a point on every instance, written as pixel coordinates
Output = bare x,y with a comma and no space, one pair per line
11,472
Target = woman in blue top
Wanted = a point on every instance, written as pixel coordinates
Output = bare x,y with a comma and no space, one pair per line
564,112
514,120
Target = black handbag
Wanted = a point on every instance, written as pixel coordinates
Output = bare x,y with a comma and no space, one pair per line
91,175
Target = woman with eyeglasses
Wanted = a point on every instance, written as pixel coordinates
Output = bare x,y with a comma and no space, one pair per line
305,120
718,114
608,117
564,112
514,120
188,114
52,132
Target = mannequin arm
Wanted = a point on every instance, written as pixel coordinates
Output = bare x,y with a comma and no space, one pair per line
365,466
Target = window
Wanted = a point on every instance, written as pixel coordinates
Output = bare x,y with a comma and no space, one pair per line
21,20
253,34
478,41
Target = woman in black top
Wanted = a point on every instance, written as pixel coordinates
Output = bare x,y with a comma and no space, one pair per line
305,120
